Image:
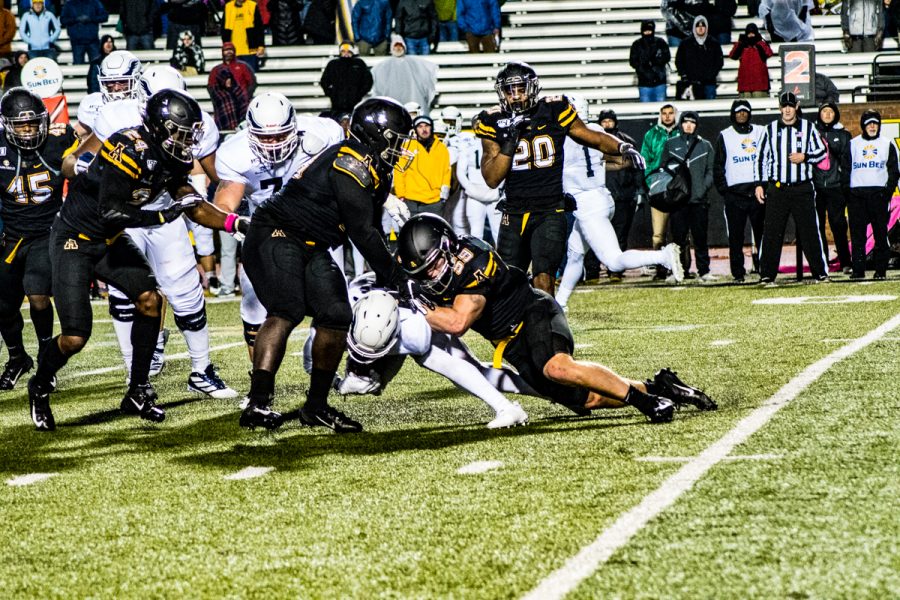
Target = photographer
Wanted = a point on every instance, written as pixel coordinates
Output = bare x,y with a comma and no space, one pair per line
752,51
649,58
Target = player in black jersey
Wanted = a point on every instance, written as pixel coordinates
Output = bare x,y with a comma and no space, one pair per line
522,140
134,166
31,185
337,196
475,289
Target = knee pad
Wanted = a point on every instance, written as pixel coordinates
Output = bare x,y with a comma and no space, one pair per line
193,322
250,331
337,316
121,309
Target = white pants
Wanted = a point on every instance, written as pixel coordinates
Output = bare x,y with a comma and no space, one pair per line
203,239
227,261
476,212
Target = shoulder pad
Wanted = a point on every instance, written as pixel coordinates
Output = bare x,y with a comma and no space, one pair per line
474,264
549,99
356,165
124,150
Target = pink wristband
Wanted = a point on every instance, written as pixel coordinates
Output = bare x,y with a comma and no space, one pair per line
230,220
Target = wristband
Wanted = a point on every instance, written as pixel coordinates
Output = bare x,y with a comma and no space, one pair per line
230,220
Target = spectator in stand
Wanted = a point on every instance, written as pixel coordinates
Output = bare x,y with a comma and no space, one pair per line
372,26
680,15
787,20
231,85
243,28
8,31
405,78
14,75
480,19
425,185
417,22
284,21
138,18
40,29
699,60
862,24
693,218
188,57
82,19
830,198
649,58
107,45
826,91
446,12
720,20
319,21
652,151
346,80
184,15
892,12
752,51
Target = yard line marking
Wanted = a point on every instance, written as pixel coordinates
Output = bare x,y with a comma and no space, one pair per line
721,342
826,299
591,557
479,466
676,327
121,367
672,459
29,479
249,473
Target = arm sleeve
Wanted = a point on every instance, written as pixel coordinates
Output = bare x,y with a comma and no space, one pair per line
55,29
719,165
708,172
462,167
495,15
255,37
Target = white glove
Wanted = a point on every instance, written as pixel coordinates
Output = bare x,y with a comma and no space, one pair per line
189,200
84,162
629,152
397,209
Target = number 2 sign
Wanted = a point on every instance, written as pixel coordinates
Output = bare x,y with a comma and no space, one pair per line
798,71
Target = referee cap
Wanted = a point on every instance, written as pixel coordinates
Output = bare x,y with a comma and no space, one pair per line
788,99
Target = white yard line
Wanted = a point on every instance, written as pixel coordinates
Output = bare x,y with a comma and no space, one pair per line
249,473
21,480
479,466
721,342
671,459
581,566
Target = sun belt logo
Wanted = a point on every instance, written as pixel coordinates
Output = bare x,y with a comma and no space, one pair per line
748,145
869,152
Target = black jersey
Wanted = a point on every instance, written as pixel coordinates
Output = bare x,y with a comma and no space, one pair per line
128,173
478,269
535,180
31,182
337,196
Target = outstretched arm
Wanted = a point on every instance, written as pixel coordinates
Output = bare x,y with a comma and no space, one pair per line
457,319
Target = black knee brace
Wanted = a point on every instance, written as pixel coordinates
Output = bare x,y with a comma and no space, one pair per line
121,309
250,332
192,322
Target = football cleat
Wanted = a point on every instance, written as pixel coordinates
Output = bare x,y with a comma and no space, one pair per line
140,400
39,402
208,382
673,260
159,354
328,416
509,417
656,408
359,384
260,415
666,383
14,370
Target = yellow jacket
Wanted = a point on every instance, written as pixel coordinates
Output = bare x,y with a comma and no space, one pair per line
427,180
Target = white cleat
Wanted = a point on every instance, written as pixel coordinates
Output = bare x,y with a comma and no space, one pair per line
209,383
673,256
357,384
512,416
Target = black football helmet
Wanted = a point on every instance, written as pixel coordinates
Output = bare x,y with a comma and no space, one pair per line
517,86
424,250
25,118
385,128
175,122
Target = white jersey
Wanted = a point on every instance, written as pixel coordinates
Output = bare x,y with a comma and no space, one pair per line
741,154
89,108
456,144
236,161
869,161
468,172
584,168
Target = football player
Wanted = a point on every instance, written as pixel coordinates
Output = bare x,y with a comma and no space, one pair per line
86,241
335,197
456,143
31,187
481,200
475,289
119,78
256,162
584,177
522,140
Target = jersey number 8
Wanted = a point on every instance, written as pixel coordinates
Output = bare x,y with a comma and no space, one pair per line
539,152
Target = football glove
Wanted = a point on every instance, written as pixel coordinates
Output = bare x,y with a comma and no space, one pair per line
630,153
397,209
411,296
84,162
237,226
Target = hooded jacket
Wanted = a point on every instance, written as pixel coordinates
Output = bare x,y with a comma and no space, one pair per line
39,31
838,140
346,80
649,58
622,184
870,165
654,140
753,74
700,161
417,19
736,151
699,60
862,17
478,17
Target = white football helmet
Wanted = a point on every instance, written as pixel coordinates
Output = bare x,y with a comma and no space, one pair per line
159,77
272,128
581,107
360,286
376,325
453,118
119,76
440,129
414,109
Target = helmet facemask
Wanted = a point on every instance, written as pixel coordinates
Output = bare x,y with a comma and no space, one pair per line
397,153
27,131
181,140
117,87
517,94
273,145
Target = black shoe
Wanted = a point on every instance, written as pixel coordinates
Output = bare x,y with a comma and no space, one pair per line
14,370
666,383
877,277
260,415
655,408
328,416
39,402
140,400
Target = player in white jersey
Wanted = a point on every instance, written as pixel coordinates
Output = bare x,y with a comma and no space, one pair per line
383,334
455,142
481,199
119,78
254,163
584,177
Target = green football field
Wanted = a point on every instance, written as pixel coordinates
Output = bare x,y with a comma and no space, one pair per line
789,490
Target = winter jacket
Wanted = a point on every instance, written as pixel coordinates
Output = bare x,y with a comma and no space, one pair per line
826,91
243,27
7,31
679,15
720,17
186,12
137,16
652,146
478,17
417,19
446,10
862,17
649,58
372,21
787,20
427,175
188,56
837,139
346,80
39,31
699,63
700,163
82,18
753,74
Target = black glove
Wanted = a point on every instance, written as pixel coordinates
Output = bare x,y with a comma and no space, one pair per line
411,295
508,137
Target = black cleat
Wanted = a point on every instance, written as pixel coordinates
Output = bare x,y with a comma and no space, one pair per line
259,415
140,400
656,408
328,416
666,383
13,371
39,401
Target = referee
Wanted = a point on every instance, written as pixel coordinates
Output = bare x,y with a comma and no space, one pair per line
788,149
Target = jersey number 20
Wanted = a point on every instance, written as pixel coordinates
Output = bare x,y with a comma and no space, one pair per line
538,153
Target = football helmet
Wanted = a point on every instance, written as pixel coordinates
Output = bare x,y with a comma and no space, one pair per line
25,118
581,106
413,108
517,87
425,248
119,76
157,78
453,118
440,129
272,128
385,128
375,327
175,122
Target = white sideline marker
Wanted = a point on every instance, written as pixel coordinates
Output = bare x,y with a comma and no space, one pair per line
671,459
29,479
717,343
249,473
581,566
479,466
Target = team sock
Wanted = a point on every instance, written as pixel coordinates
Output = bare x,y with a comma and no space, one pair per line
144,332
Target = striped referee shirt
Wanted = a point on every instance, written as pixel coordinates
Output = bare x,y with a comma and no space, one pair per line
778,142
